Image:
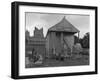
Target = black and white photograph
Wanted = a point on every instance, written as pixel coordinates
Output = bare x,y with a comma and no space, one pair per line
53,40
50,40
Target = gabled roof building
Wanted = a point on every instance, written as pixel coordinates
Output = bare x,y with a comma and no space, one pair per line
60,38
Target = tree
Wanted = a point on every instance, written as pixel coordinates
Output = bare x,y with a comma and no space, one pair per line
85,40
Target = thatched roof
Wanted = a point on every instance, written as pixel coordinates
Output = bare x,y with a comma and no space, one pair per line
64,26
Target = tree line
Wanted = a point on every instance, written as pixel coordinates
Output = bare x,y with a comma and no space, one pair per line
83,41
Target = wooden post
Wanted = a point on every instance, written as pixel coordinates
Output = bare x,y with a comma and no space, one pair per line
62,41
53,48
78,36
62,38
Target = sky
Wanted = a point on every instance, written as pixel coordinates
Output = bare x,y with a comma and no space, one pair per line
47,20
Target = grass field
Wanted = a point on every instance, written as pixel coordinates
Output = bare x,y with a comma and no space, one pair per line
75,60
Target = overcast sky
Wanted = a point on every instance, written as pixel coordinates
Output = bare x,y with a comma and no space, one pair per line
46,20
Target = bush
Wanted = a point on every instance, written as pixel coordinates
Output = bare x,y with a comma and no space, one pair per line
77,48
85,52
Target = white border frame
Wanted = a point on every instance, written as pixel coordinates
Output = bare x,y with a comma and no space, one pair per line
53,70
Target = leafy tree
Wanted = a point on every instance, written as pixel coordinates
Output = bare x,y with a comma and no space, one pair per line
85,40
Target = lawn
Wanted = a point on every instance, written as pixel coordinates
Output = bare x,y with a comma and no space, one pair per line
75,60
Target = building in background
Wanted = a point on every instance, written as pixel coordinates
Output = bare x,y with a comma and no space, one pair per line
36,42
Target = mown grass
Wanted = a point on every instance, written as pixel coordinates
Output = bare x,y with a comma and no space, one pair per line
74,60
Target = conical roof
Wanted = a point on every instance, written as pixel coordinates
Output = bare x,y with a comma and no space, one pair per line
64,26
